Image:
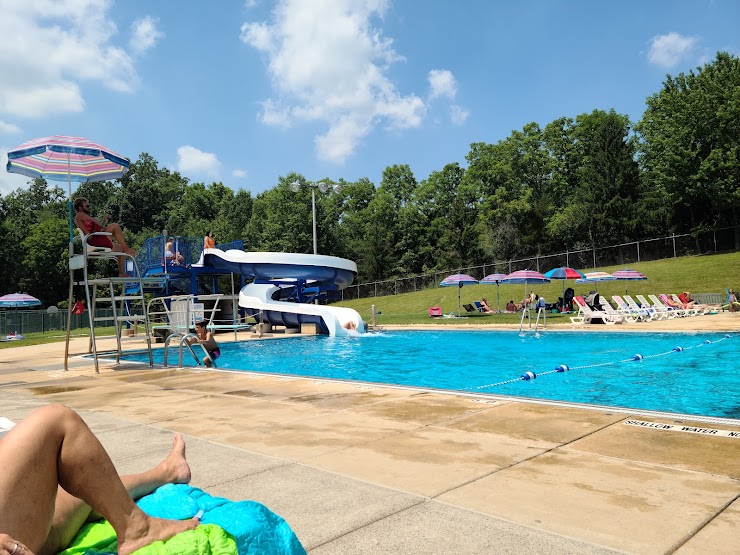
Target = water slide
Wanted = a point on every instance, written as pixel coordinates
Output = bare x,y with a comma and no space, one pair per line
279,276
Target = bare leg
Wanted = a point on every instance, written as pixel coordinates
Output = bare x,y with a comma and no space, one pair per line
115,229
54,447
70,513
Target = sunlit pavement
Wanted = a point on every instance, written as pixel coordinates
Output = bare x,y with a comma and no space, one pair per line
361,468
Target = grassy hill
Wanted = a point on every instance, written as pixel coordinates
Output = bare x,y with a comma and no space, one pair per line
698,274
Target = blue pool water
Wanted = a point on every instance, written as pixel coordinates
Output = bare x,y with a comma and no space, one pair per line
703,379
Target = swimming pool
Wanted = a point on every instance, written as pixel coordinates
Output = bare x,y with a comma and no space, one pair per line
702,379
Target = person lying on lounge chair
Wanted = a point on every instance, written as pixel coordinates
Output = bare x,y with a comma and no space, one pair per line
689,302
55,475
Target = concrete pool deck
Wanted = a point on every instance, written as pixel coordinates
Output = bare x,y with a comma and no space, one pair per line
361,468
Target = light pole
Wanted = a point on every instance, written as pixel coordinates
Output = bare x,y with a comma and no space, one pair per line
322,186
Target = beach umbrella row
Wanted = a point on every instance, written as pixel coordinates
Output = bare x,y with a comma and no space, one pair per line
527,277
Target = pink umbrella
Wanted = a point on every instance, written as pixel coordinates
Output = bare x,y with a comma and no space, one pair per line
458,280
628,275
525,277
18,300
62,158
495,278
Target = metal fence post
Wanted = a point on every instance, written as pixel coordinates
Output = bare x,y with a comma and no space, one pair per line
674,245
638,250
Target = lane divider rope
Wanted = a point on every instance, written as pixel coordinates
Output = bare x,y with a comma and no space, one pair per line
560,368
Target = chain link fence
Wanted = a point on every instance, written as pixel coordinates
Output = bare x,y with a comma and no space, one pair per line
721,240
40,321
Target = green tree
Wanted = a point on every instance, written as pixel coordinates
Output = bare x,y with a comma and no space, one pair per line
690,147
45,261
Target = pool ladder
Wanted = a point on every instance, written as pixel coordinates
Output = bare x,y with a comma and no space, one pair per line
184,337
541,313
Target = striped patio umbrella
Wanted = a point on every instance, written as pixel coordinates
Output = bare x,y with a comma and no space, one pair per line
595,277
18,300
563,273
526,277
628,275
62,158
497,279
458,280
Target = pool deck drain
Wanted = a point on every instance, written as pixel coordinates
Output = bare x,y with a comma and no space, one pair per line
399,470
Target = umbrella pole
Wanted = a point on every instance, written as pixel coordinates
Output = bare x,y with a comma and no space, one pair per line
459,289
69,204
498,299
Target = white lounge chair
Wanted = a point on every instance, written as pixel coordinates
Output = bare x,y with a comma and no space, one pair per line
586,314
677,311
654,314
619,315
639,314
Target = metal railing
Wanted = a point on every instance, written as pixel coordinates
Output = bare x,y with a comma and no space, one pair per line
40,321
721,240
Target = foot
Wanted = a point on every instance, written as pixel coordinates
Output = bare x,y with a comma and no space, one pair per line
147,530
175,466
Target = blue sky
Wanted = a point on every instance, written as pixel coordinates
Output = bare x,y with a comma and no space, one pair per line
253,90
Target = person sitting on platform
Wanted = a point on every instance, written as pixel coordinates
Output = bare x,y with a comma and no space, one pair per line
486,307
55,475
172,256
205,338
511,307
88,224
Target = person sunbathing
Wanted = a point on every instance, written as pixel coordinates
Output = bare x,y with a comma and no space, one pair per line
55,475
672,303
511,307
486,307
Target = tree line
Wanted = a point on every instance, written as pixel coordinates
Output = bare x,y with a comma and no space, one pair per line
574,183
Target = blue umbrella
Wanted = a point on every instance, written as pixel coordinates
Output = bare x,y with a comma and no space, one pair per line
458,280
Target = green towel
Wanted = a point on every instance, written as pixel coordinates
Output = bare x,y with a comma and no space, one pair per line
207,539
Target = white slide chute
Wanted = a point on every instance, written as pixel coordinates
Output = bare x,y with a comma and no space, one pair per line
275,271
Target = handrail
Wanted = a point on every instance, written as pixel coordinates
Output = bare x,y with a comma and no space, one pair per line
184,342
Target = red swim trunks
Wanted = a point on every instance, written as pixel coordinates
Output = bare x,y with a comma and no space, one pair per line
97,240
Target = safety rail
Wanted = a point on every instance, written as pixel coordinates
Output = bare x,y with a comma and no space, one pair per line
152,253
181,312
185,342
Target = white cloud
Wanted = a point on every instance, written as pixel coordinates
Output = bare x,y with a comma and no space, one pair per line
329,64
193,160
9,181
8,128
47,48
250,3
240,174
458,114
144,34
668,50
442,83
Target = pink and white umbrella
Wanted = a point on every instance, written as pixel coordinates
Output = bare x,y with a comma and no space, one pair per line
628,275
62,158
458,280
18,300
497,279
525,277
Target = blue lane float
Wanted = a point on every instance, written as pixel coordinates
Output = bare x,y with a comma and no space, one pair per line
562,368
